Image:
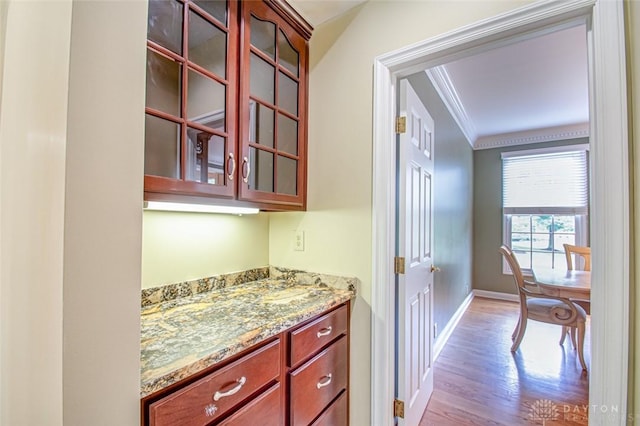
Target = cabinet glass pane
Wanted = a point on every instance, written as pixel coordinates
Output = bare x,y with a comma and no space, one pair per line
261,121
287,135
165,24
161,147
207,45
262,79
288,56
263,36
206,100
287,93
287,176
163,83
205,157
216,8
261,175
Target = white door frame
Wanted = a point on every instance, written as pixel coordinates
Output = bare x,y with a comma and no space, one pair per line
610,190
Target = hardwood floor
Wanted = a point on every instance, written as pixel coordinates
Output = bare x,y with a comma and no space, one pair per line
478,381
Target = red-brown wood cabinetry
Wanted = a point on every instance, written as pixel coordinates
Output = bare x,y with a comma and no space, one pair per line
299,377
318,382
226,103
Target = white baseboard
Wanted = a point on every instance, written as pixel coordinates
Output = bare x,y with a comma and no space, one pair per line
444,335
496,295
446,332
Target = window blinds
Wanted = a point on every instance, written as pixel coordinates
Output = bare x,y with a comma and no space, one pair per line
546,183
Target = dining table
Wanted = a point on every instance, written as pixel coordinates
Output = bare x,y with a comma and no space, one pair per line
571,284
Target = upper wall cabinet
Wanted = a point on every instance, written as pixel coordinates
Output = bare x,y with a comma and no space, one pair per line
226,103
273,93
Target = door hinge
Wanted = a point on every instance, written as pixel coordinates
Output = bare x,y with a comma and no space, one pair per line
401,124
398,408
398,265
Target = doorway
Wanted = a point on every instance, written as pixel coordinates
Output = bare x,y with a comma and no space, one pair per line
608,387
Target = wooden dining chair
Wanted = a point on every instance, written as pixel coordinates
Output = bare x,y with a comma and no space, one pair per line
579,252
540,307
582,257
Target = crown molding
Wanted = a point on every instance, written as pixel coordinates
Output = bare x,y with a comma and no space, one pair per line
441,81
549,134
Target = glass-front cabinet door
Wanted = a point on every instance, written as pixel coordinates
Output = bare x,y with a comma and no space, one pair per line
191,106
273,91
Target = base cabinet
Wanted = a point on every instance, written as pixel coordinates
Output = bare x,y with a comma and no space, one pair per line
218,393
299,378
337,414
318,382
266,409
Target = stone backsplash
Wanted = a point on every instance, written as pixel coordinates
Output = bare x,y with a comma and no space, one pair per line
154,295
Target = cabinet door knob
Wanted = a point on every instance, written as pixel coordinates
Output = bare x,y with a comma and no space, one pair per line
245,162
324,332
234,390
324,381
435,269
231,161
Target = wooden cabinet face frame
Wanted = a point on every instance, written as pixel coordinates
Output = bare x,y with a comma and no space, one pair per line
261,12
223,128
335,412
234,183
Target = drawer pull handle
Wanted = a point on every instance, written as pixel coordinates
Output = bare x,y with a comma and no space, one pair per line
245,162
231,161
324,332
324,381
234,390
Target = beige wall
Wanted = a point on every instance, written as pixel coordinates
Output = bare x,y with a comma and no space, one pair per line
103,214
185,246
633,80
33,115
70,263
338,222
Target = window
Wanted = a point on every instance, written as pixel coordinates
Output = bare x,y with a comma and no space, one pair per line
545,199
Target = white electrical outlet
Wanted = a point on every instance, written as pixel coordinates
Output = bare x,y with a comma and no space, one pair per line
298,240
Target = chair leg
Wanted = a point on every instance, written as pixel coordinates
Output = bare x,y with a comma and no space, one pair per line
515,330
580,346
573,337
565,330
522,326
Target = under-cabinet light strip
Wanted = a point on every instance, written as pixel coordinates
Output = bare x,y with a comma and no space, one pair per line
197,208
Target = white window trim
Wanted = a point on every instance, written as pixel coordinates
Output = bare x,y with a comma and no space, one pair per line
582,218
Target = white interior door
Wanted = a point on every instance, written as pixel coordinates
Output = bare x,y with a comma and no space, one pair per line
414,376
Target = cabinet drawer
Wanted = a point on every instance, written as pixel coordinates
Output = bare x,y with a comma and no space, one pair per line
306,340
205,400
336,414
315,384
265,410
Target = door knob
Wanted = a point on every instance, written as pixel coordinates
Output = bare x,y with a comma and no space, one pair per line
434,268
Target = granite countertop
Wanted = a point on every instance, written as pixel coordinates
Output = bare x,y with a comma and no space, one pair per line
185,335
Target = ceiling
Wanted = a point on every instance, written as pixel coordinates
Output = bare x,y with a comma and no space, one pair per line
317,12
526,91
534,90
